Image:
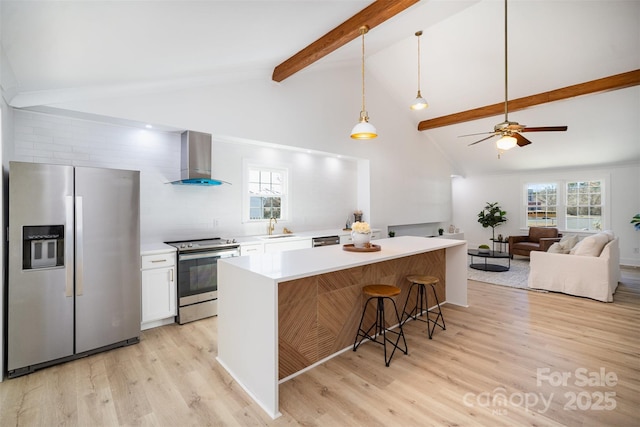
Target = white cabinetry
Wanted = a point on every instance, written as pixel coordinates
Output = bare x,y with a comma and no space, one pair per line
158,289
251,249
287,245
346,238
455,236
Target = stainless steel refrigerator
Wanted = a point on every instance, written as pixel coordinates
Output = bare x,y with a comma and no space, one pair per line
74,263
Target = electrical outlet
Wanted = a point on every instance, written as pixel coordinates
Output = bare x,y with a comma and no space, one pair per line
215,223
636,250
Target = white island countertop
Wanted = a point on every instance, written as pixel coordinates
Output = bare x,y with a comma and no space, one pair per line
290,265
248,301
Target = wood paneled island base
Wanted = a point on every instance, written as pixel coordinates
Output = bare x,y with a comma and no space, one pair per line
319,315
281,313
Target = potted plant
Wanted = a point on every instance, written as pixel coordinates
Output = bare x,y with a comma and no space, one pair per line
440,231
492,216
484,249
636,221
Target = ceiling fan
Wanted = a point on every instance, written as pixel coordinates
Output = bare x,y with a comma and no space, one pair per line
511,132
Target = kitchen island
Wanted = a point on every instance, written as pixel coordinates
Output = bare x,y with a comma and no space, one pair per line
280,314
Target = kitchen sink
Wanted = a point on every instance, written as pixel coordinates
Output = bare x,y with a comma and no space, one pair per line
277,236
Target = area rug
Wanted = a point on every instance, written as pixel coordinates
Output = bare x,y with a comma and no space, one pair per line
516,277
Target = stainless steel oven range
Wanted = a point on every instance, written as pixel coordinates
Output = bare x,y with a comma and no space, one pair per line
198,275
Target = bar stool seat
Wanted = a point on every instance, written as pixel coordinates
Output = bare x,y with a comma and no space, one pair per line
379,328
422,303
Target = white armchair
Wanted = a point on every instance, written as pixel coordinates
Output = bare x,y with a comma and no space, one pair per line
594,277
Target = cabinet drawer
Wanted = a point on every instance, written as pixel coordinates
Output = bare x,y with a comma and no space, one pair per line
252,249
158,260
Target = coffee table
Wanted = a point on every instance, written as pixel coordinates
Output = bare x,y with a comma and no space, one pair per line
489,255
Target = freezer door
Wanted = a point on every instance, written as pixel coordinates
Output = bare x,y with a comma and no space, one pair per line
107,257
40,299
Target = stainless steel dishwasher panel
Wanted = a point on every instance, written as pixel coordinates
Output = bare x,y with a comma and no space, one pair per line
325,241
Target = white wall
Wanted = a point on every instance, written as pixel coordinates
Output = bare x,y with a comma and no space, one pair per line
471,194
323,187
409,178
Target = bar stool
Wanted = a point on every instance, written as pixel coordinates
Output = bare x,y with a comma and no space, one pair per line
380,293
422,302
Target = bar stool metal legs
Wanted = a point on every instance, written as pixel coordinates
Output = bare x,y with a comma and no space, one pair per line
379,328
422,304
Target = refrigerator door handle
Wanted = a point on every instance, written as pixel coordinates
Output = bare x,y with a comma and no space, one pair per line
68,248
79,247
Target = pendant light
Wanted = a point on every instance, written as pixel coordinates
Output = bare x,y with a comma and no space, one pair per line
364,129
419,103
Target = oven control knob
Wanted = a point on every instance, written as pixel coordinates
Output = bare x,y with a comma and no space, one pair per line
183,245
190,245
233,241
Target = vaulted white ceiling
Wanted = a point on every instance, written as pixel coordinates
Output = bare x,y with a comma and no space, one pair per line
54,51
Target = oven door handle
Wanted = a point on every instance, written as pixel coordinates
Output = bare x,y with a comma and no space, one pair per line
201,255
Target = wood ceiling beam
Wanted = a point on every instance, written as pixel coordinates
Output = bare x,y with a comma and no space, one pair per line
617,81
371,16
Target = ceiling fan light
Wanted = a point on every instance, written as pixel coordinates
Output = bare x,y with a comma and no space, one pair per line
507,142
419,103
363,129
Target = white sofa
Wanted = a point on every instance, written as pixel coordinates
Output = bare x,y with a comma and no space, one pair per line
588,276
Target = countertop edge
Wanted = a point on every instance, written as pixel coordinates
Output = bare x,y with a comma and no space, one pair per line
291,265
155,248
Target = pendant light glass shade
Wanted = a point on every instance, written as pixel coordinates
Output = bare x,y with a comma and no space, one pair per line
419,103
507,142
363,129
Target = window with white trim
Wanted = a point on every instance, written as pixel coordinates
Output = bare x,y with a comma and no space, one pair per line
571,205
266,193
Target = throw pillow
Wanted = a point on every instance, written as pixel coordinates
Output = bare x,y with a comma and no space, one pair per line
609,234
568,242
557,248
590,246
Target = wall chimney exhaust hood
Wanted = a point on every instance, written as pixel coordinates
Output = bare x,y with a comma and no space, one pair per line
195,160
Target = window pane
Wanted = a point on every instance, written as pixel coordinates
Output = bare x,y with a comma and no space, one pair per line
254,188
584,205
254,176
541,204
266,189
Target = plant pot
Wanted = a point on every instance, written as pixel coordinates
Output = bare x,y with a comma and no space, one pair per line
360,240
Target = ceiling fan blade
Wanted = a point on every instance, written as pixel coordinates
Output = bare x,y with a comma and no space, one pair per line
522,141
545,129
483,139
475,134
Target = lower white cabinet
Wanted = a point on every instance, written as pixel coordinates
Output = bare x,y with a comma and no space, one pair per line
287,245
346,238
251,249
159,291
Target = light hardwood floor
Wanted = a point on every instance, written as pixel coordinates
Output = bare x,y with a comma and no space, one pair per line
509,342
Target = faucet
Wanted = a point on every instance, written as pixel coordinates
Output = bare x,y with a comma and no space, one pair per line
272,225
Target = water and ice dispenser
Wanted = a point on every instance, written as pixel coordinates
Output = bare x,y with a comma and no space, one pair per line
42,246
